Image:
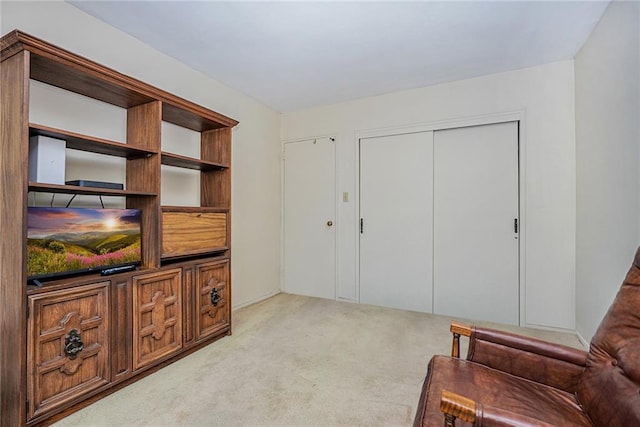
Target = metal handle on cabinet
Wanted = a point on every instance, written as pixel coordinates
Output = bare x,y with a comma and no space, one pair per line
73,344
329,223
215,297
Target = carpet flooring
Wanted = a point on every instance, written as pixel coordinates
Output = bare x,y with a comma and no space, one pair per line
294,361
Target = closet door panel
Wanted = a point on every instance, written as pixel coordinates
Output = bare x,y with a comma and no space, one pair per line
476,249
396,221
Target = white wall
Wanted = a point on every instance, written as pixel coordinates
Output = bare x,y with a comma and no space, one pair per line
546,96
607,71
256,140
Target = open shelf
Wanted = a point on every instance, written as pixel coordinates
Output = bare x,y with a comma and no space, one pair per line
92,191
83,76
66,70
174,111
90,144
177,160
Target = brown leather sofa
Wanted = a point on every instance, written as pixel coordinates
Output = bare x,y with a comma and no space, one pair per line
511,380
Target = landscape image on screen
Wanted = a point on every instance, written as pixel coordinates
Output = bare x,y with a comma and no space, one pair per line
68,240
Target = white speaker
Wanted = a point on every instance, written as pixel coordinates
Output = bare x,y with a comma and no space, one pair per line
46,159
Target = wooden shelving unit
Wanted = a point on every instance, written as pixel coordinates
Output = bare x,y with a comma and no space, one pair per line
185,283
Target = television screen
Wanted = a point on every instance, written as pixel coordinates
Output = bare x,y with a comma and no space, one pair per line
62,241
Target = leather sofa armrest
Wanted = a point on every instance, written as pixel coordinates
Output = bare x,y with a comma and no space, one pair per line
458,329
455,406
548,363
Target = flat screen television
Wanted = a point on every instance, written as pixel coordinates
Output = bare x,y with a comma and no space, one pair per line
68,241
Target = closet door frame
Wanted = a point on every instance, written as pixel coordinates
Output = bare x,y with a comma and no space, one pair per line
510,116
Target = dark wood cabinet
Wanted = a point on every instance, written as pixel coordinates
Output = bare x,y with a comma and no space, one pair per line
212,298
157,319
85,335
68,345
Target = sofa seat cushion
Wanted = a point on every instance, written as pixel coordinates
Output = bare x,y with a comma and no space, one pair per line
491,387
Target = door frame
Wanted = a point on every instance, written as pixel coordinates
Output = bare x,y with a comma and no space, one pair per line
487,119
335,207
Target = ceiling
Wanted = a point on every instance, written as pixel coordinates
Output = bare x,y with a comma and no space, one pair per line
294,55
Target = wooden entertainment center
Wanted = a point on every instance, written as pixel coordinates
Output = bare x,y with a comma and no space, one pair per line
75,340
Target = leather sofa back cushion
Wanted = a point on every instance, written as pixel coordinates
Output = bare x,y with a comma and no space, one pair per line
609,390
508,353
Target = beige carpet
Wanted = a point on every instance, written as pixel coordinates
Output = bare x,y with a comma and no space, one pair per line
293,361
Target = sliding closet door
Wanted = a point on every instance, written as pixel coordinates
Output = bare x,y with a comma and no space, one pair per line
476,273
396,213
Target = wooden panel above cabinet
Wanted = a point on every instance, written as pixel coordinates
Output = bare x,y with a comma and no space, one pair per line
192,231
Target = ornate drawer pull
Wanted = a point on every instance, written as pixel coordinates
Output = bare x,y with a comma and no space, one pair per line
73,344
215,297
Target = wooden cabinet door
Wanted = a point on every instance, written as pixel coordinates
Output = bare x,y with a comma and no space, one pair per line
193,231
213,298
67,345
157,319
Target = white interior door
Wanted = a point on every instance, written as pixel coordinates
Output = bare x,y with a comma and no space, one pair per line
309,217
396,213
476,273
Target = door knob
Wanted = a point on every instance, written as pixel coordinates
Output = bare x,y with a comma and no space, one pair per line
329,223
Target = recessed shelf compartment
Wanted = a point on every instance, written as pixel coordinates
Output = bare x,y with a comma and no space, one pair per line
180,161
66,70
74,189
91,144
80,75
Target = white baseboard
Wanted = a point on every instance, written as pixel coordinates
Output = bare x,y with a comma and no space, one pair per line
584,342
548,328
256,300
